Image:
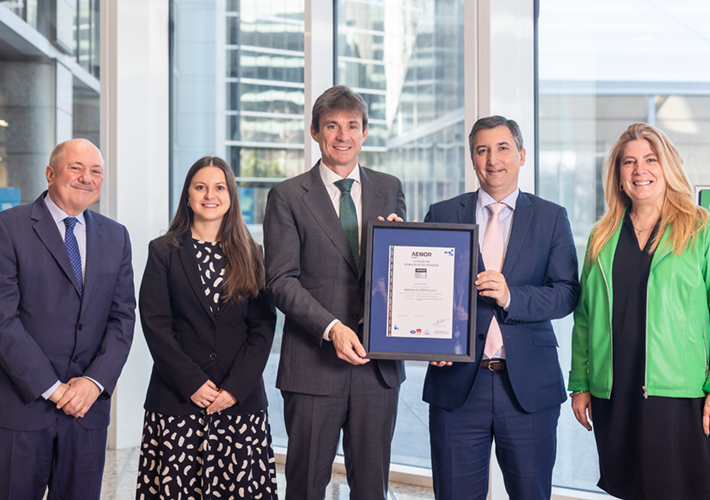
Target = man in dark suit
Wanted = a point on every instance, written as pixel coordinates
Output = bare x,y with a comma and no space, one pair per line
66,326
513,390
313,233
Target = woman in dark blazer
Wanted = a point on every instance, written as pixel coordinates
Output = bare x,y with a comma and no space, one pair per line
209,328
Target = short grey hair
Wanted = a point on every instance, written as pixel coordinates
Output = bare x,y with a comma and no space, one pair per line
494,121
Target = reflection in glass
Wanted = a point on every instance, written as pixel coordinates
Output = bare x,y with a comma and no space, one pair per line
406,58
238,92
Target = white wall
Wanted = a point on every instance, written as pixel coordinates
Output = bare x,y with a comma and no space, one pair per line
135,143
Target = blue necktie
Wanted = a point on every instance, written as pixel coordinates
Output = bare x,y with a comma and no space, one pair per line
73,251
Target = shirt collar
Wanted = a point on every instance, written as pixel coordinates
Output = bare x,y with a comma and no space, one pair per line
58,214
329,177
484,199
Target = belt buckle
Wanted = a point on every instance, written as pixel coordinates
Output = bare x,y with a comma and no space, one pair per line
493,363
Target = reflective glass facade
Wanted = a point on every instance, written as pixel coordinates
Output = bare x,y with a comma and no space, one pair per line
406,58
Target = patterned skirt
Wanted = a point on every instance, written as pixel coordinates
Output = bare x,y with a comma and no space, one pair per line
205,457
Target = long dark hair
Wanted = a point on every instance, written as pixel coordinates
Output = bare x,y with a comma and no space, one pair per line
244,269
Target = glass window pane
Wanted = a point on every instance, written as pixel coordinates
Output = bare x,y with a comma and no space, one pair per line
405,57
602,66
42,99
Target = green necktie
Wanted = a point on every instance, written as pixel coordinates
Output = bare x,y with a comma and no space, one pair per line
348,217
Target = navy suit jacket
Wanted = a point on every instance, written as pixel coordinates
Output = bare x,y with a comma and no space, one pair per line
540,268
313,278
48,332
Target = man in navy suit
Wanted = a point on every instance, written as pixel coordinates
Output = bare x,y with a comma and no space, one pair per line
66,325
512,392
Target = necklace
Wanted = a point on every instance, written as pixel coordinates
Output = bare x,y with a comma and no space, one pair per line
639,231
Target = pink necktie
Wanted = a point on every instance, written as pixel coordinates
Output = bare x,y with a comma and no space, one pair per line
493,259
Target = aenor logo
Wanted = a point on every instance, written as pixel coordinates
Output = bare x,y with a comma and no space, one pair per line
421,254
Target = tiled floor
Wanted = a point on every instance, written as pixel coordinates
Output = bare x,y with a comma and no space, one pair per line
122,468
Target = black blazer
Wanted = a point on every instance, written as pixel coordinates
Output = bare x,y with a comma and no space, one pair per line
190,345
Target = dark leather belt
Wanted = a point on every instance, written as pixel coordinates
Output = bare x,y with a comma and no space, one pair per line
494,365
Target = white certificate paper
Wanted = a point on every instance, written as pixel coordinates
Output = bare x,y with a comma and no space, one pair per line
421,292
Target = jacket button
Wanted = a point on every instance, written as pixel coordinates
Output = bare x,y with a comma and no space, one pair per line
75,359
480,336
213,356
80,327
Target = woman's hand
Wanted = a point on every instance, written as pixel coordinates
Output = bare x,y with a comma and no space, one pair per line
223,401
204,396
582,406
706,416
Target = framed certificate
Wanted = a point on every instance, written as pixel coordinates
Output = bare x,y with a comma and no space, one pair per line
420,297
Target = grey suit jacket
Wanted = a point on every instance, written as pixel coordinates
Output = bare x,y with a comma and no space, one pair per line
312,277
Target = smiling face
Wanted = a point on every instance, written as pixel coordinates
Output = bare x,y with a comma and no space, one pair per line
208,195
497,161
340,136
75,178
641,174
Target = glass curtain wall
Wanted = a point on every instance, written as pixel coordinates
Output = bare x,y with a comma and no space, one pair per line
237,92
602,66
44,97
406,59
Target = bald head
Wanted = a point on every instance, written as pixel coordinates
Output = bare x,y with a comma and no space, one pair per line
74,175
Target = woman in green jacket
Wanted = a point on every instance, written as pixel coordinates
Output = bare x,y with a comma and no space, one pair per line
640,339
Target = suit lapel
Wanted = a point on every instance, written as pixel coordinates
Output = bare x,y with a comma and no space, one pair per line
94,250
466,213
521,222
319,204
47,231
189,265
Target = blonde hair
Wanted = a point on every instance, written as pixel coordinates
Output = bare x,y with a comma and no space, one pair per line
679,208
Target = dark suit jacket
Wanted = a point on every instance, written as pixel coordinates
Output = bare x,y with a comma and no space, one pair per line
47,331
313,279
190,345
540,268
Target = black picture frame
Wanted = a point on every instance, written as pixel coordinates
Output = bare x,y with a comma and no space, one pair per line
381,237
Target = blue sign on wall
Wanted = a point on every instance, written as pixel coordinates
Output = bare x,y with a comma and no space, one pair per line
247,203
9,197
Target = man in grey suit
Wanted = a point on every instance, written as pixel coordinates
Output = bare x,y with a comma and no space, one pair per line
313,236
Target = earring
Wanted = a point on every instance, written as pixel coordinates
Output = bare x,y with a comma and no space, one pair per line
188,205
621,188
